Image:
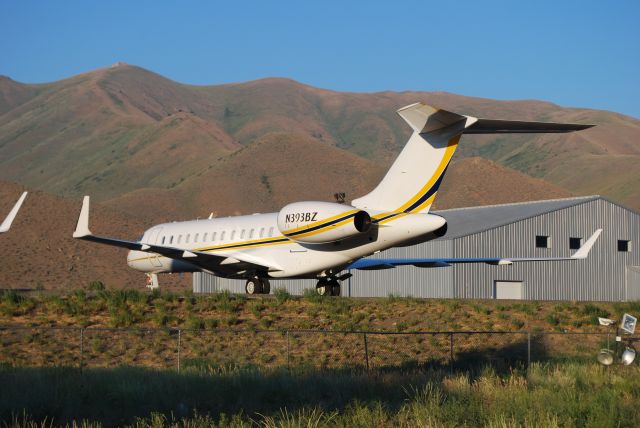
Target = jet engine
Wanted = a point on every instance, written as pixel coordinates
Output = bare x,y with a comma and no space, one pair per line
322,222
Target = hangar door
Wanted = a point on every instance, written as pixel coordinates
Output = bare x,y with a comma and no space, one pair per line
510,290
633,283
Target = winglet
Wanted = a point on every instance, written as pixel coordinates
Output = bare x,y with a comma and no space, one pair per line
82,228
583,251
6,224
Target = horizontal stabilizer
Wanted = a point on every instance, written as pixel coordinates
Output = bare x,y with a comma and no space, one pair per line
424,119
492,126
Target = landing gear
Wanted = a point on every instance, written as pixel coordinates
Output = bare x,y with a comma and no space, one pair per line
266,286
257,285
152,281
328,287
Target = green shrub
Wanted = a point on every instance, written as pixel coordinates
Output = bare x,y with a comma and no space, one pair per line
194,323
552,319
312,296
594,311
211,323
282,295
96,286
518,323
402,326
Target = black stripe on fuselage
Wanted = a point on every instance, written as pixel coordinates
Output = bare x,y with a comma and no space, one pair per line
243,245
320,226
432,190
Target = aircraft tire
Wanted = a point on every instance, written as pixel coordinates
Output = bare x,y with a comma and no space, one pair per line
323,288
266,286
253,286
335,289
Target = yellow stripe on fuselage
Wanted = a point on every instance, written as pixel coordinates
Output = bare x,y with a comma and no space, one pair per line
323,229
232,246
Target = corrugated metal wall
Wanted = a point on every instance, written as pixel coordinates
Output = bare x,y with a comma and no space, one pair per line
600,277
407,280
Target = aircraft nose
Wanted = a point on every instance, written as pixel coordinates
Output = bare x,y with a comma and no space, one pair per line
136,259
130,258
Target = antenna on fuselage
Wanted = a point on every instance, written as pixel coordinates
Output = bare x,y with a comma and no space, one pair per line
340,197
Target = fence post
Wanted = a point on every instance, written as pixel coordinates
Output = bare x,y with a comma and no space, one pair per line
179,343
81,348
451,352
366,350
288,352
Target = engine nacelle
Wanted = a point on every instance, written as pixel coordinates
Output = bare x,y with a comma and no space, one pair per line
322,222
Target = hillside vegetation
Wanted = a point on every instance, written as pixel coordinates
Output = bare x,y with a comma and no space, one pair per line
132,308
124,134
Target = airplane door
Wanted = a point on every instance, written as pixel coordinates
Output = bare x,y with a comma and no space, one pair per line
154,238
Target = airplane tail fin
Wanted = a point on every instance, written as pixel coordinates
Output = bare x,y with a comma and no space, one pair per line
411,184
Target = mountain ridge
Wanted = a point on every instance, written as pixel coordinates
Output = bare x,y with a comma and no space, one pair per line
123,130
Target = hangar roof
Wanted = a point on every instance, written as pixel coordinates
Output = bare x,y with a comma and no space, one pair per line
467,221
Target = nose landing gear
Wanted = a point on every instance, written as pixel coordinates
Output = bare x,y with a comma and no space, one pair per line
257,285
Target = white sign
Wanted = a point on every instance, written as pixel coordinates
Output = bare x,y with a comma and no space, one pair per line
629,323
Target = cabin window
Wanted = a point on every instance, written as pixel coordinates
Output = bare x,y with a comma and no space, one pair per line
205,236
270,231
213,236
233,235
195,238
543,241
251,234
179,238
224,232
242,234
624,246
261,232
187,239
171,240
163,240
575,243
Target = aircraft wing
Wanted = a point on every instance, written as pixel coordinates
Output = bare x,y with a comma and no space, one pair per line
6,224
206,261
376,264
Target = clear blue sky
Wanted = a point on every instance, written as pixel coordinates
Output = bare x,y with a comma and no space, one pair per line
574,53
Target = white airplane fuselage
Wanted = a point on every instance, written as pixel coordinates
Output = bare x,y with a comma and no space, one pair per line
257,238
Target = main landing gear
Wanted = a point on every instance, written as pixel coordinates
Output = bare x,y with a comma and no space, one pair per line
328,287
257,285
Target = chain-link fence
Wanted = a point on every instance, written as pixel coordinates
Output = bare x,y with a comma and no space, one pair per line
219,349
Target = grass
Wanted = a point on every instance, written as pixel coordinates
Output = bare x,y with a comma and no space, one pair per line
205,318
567,394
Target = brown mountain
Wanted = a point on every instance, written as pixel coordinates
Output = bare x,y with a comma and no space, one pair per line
123,133
477,181
38,251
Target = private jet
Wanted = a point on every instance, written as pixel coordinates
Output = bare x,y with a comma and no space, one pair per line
325,240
